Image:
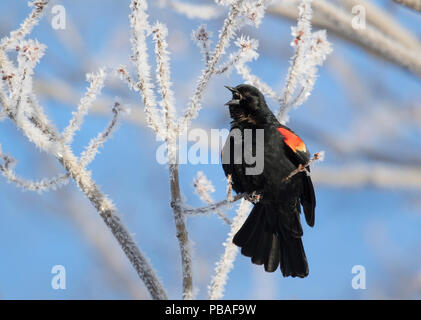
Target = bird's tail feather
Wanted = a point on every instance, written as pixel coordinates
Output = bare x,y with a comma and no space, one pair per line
293,258
259,239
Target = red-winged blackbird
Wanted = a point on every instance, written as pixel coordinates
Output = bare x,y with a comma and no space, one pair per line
272,233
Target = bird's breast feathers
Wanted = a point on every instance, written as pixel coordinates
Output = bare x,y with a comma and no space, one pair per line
292,140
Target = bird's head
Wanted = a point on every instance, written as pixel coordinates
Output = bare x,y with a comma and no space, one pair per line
248,104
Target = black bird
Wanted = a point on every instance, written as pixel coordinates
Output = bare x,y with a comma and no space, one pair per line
272,233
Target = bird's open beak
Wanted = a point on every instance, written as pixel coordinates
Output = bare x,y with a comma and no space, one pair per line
233,102
231,89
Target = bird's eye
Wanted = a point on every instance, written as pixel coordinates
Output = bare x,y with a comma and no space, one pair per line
236,96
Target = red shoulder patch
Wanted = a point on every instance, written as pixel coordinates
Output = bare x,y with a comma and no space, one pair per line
292,140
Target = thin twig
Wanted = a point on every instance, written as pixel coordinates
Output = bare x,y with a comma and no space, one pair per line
92,149
226,263
26,27
302,167
163,77
204,187
228,30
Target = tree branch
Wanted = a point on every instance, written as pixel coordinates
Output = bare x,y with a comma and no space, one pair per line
412,4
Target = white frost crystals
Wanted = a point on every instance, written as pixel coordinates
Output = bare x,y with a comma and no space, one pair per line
311,50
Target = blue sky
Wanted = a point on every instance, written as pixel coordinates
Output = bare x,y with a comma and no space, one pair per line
376,228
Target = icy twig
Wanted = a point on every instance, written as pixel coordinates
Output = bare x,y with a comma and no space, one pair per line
213,206
318,156
202,38
9,43
167,103
226,263
383,19
338,21
125,76
182,235
302,39
108,212
229,187
20,106
163,74
371,38
40,186
318,51
96,81
140,30
247,52
311,51
254,80
231,24
203,188
92,149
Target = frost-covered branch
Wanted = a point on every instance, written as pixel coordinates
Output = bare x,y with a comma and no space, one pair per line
311,50
140,30
370,37
231,24
229,187
339,21
96,81
401,50
160,33
413,4
213,206
9,43
241,12
202,38
108,212
226,263
315,57
126,77
246,52
318,156
167,104
6,169
92,149
254,80
385,22
182,235
204,188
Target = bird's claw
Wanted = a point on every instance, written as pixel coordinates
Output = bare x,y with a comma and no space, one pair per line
254,197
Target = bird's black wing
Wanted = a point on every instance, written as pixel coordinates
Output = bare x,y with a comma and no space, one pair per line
297,153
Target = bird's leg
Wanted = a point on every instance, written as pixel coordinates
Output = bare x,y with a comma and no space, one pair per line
254,197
